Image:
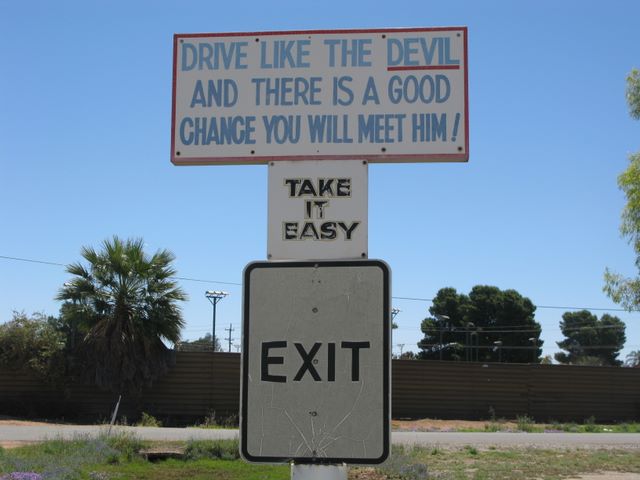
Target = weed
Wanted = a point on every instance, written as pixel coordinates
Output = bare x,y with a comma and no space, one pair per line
148,421
491,427
471,450
590,425
492,414
125,444
22,476
212,449
525,423
628,427
403,464
60,459
212,421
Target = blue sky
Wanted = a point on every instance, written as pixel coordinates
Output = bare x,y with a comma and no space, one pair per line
85,110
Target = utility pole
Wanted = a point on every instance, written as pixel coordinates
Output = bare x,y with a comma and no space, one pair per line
442,319
401,345
214,296
230,329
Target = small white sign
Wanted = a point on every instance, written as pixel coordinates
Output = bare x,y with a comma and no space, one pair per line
382,95
317,210
316,362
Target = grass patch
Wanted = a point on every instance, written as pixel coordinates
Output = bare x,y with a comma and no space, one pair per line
470,463
212,450
117,458
204,469
211,420
526,424
67,459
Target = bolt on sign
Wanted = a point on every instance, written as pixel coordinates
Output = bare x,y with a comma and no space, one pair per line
384,95
317,210
315,362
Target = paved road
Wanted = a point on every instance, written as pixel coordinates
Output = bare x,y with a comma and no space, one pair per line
441,439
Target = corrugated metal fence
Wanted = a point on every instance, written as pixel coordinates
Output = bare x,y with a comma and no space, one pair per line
544,392
202,383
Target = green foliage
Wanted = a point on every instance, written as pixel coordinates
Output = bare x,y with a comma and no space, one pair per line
202,344
466,327
33,344
633,93
403,464
590,341
212,449
471,450
66,459
211,420
147,420
622,290
525,423
546,360
126,444
633,359
125,304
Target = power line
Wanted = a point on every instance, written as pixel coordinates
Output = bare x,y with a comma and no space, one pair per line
417,299
32,261
205,281
537,330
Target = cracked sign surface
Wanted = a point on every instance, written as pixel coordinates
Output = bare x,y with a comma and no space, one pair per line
316,357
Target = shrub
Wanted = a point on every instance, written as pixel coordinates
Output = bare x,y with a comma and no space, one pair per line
148,421
403,464
33,344
525,423
212,449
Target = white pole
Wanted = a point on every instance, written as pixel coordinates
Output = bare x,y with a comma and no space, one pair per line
319,472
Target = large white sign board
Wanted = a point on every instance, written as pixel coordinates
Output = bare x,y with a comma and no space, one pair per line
315,362
317,210
385,95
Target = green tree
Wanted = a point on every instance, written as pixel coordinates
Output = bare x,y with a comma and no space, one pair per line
622,290
202,344
33,344
125,306
633,359
590,341
488,325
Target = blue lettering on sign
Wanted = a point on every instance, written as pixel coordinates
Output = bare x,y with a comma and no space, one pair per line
380,128
284,54
420,51
370,93
342,93
430,127
345,52
426,89
282,129
329,129
213,56
287,91
232,130
219,93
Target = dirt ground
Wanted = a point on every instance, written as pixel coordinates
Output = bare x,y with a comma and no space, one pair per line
431,425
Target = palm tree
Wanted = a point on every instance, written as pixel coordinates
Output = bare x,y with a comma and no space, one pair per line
124,303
